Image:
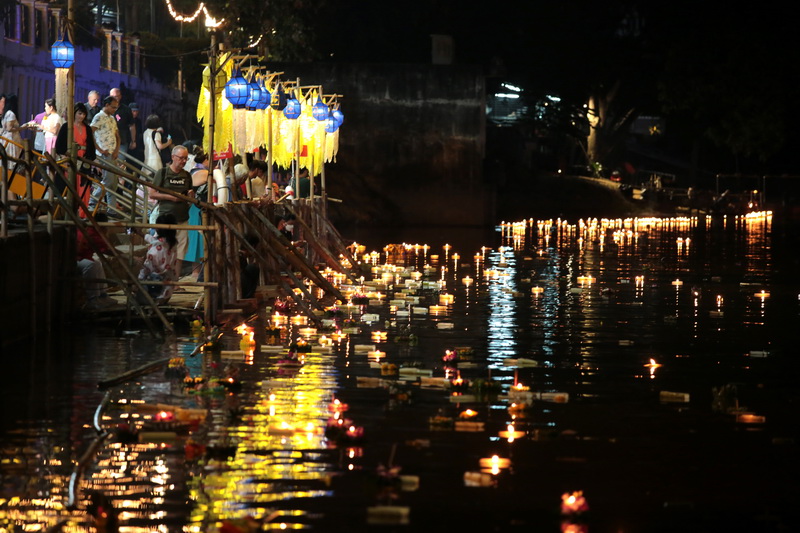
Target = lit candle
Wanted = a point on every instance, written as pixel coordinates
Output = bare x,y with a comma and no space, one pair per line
511,434
437,310
307,332
376,355
573,502
494,464
652,365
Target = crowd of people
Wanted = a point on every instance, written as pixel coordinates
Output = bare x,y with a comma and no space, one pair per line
107,130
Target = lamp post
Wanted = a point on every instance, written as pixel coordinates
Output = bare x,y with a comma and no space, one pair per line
62,54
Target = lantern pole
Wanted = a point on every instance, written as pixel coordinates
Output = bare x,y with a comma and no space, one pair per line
268,111
212,82
322,174
296,173
71,176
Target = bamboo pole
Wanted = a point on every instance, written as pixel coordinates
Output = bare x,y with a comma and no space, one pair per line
219,214
287,249
212,68
32,250
70,101
318,246
106,264
271,250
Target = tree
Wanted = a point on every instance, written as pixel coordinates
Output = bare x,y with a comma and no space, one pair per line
735,90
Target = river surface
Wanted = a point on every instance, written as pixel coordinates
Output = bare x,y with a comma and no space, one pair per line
577,376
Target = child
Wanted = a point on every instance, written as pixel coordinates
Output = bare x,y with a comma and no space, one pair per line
161,261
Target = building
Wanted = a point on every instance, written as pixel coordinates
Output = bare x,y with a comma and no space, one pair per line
31,27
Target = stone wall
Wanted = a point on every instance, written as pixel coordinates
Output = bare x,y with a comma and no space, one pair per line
412,144
37,283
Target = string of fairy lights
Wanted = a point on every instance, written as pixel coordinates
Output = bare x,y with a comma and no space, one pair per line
211,22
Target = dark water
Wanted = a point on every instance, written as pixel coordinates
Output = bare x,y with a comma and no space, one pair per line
707,441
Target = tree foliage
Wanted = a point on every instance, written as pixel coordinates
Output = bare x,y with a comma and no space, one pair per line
283,28
732,89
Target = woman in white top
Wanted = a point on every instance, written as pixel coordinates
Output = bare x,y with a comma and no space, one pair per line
9,126
154,142
51,123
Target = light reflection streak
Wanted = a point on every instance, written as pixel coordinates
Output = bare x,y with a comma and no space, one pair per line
502,319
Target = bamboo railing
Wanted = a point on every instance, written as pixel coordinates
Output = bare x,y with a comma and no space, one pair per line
232,229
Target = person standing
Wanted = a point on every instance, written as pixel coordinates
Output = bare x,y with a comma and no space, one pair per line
175,178
194,247
257,176
301,185
9,125
125,123
106,140
92,105
36,125
138,150
82,136
154,141
51,123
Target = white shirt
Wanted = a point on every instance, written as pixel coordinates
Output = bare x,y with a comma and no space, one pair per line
105,134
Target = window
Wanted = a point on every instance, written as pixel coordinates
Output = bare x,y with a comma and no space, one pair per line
39,30
123,46
10,23
52,27
114,53
25,24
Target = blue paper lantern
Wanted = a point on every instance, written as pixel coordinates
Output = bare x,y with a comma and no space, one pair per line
253,95
236,90
263,96
63,54
320,110
338,115
292,109
331,125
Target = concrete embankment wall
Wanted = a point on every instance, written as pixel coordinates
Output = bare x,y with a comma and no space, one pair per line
37,284
411,149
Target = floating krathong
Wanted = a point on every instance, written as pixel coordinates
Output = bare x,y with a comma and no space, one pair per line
510,434
573,503
494,464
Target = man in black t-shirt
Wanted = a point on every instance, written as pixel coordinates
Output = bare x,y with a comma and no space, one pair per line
175,178
92,105
127,128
